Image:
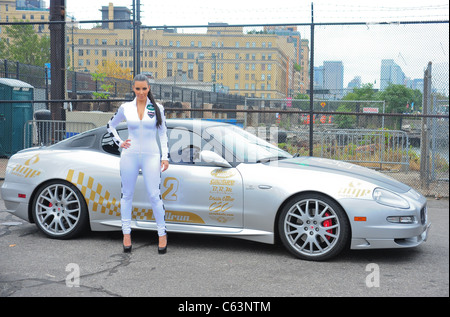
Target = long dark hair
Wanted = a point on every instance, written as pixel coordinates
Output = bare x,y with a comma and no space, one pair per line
142,77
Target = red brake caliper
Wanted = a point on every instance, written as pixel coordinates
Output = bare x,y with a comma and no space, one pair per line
328,223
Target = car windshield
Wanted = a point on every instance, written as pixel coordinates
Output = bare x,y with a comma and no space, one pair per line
245,146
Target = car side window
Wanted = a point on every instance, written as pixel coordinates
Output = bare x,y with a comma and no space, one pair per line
185,146
182,147
108,144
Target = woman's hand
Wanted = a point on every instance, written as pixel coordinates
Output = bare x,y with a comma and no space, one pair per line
164,165
126,144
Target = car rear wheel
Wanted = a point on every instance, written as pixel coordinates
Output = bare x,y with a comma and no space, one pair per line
313,227
59,210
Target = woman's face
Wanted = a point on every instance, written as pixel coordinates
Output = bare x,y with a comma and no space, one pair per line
141,89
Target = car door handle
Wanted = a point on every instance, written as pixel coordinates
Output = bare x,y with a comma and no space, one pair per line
264,187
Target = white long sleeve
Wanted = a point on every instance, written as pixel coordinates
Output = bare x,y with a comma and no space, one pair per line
142,133
118,117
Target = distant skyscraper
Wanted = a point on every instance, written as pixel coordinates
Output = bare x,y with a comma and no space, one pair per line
390,73
318,77
333,72
355,83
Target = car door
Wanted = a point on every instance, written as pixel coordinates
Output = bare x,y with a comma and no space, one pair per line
193,192
196,192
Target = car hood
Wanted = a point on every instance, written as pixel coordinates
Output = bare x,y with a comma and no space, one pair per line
343,168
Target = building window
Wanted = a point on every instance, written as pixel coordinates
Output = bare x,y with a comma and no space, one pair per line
191,70
169,69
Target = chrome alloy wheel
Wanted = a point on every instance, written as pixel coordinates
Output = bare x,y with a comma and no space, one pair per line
314,228
59,210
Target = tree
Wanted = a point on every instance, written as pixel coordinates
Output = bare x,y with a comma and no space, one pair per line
345,121
111,69
397,97
366,92
25,45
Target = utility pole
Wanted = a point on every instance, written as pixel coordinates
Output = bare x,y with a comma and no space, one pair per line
58,57
311,86
137,36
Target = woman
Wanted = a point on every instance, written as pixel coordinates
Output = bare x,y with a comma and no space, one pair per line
145,119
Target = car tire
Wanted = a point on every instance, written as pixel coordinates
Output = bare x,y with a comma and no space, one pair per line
59,210
313,227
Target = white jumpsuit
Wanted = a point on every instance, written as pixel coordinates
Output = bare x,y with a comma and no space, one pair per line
143,154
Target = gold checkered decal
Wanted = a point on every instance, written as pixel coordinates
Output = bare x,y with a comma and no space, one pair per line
99,200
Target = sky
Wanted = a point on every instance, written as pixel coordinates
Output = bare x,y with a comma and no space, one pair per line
176,12
360,48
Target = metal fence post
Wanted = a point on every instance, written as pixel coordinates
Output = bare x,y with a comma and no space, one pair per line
424,168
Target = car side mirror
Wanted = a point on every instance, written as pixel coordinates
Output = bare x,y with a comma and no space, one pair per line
213,158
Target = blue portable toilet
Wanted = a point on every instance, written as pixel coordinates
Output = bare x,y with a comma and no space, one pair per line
14,115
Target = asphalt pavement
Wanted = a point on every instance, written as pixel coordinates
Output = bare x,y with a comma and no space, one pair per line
206,266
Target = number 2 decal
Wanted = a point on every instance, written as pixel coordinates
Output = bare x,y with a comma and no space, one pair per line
170,185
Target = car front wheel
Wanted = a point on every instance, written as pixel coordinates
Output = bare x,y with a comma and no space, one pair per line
59,210
313,227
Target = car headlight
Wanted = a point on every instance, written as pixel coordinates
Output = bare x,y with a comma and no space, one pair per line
388,198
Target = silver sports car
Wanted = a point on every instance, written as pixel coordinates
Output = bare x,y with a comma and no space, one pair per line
224,181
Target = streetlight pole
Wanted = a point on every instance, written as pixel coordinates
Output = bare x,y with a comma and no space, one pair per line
213,58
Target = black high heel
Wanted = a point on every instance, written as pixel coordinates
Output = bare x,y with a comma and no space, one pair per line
163,250
127,249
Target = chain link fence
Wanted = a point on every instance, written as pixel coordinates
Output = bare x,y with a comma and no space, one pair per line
352,92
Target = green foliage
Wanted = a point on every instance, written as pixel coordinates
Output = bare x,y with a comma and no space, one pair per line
100,77
345,121
398,96
366,92
25,45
